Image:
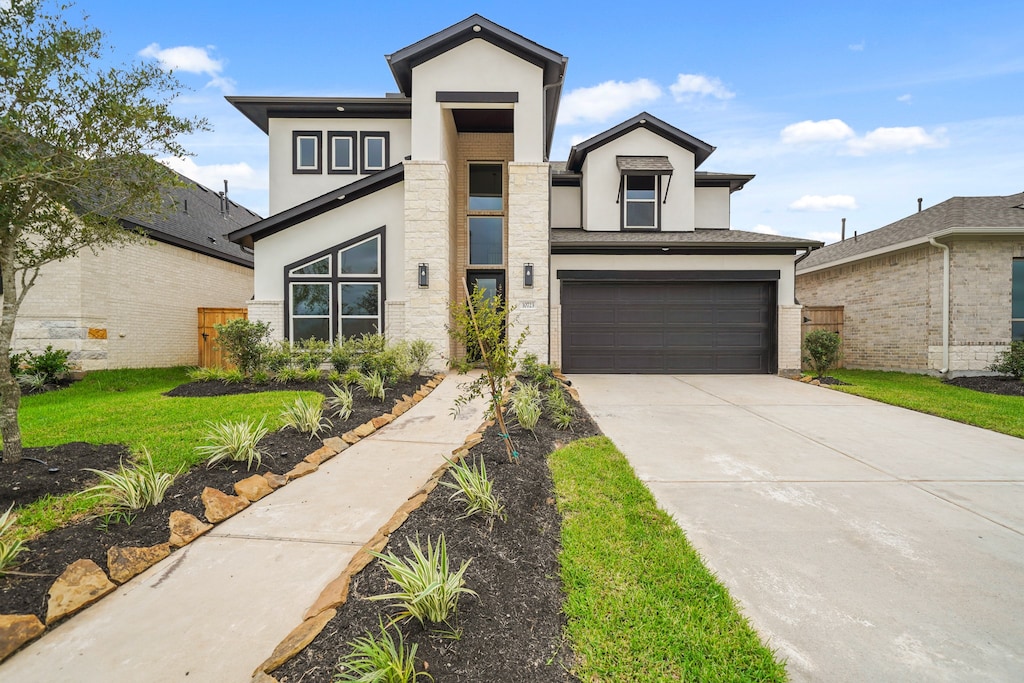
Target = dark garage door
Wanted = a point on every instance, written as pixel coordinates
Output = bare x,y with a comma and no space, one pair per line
668,327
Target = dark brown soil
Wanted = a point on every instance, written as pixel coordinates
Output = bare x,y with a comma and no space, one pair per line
1005,386
513,630
25,592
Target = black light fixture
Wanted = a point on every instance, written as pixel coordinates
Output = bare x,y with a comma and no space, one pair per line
424,276
527,275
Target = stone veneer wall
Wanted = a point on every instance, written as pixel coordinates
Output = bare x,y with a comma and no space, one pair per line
892,307
528,236
427,240
129,307
789,320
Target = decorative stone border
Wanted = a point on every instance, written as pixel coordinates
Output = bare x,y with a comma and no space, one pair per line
335,594
84,582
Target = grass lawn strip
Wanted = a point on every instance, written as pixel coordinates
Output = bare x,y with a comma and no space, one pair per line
927,394
640,604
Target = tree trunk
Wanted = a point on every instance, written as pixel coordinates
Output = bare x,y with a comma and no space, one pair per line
9,404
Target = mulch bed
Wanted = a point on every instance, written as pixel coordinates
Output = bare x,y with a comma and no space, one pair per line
1005,386
514,629
50,554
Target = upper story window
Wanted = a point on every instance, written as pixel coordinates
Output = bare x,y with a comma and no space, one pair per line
640,209
341,146
375,151
1017,304
306,151
485,219
485,187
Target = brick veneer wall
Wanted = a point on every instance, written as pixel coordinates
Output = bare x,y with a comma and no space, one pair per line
134,306
789,320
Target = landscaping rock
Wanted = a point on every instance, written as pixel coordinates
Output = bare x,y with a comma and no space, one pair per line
364,430
574,394
473,439
16,630
337,443
186,528
81,584
333,595
350,437
294,642
220,506
275,481
263,677
385,419
124,563
401,408
253,488
300,470
320,455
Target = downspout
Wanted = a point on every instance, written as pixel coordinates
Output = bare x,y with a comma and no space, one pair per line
945,302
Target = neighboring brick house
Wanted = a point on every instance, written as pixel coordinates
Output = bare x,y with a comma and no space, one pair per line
136,306
619,260
939,291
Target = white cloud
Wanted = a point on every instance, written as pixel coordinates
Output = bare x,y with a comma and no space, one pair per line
605,100
764,229
816,202
190,59
690,86
857,47
905,98
826,237
5,4
805,132
240,176
907,138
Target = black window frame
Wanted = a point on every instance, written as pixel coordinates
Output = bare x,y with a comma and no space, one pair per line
624,202
487,213
363,137
353,139
1017,323
335,279
319,136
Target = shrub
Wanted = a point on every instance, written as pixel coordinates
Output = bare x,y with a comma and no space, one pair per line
211,374
373,385
130,489
17,362
430,591
1011,361
310,353
233,376
560,409
260,377
52,364
352,376
234,442
9,550
537,373
420,351
307,418
311,374
340,401
277,356
31,381
243,342
340,356
288,374
526,405
821,351
473,488
379,659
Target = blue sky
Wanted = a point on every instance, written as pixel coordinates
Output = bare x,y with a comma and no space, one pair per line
841,109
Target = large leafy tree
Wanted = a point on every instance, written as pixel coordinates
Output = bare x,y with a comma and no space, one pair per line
77,145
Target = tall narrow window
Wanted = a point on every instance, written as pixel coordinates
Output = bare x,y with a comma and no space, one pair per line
374,152
1017,304
486,221
641,202
342,148
306,151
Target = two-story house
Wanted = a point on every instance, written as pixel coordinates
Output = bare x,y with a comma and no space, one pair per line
618,260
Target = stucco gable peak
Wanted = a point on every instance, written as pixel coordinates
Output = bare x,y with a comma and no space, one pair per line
700,149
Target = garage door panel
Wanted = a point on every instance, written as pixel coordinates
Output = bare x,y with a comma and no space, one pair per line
668,327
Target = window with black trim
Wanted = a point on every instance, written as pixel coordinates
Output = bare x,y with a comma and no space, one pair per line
306,151
640,206
338,293
374,151
341,150
486,219
1017,302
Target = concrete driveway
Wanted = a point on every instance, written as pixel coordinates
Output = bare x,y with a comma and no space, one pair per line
864,542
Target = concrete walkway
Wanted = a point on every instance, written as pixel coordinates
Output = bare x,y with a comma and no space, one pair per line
215,609
865,542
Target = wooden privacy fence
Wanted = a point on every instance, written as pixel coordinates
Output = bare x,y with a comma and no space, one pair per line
822,318
209,355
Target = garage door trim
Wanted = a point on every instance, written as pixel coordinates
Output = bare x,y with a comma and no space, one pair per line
668,275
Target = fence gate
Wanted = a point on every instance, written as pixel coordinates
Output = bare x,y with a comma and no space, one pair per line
822,318
209,355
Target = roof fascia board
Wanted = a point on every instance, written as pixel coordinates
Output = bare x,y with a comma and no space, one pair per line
260,110
700,149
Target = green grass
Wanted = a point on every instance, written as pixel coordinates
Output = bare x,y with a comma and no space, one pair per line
928,394
127,407
640,604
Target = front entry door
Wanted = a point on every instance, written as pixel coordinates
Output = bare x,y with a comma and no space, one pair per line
491,281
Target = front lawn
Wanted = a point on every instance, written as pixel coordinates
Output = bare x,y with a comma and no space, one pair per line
640,604
930,395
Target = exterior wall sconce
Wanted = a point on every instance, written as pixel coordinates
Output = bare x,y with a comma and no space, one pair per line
424,276
527,275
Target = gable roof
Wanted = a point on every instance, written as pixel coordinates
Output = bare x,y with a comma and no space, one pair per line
552,63
318,205
193,220
957,214
701,150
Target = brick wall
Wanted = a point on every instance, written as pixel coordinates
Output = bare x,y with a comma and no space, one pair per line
134,306
789,318
528,194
